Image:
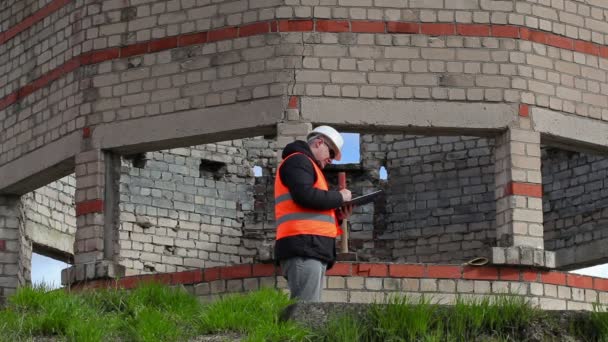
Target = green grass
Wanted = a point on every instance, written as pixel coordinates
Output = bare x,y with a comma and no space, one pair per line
159,313
151,312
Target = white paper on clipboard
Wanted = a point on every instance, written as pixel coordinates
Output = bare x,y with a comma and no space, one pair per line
364,199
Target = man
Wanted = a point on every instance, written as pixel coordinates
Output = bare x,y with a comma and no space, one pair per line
307,213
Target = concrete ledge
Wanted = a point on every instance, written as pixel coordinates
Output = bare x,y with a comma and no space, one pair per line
40,167
192,127
428,117
523,256
568,131
582,255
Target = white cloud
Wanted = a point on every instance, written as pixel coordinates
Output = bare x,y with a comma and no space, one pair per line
46,270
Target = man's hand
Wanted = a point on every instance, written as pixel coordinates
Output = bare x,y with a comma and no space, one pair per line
344,212
346,195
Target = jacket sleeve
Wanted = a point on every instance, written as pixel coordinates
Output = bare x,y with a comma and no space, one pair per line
298,175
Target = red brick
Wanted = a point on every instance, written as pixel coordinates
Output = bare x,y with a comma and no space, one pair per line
586,47
263,270
26,90
370,270
293,102
162,278
556,278
524,33
187,277
438,29
400,27
529,275
406,271
192,39
87,207
340,269
600,284
70,65
222,34
481,272
235,272
332,26
163,44
505,31
86,132
524,189
8,100
2,38
2,245
367,26
133,50
473,30
580,281
509,274
538,37
452,272
560,42
524,110
253,29
99,56
211,274
274,26
296,25
128,282
604,52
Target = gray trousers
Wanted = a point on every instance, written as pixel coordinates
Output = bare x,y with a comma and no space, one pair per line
305,277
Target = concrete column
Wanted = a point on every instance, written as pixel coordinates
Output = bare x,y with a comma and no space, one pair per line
519,209
97,175
15,248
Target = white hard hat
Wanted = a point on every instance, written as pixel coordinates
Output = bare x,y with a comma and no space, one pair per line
333,136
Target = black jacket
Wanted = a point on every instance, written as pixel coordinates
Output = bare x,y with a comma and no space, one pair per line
298,175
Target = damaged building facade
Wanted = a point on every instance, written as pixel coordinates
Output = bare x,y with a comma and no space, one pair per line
140,139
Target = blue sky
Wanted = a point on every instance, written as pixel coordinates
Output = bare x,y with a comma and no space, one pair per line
49,271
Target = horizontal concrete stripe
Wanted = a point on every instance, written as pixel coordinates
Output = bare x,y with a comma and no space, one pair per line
305,216
311,25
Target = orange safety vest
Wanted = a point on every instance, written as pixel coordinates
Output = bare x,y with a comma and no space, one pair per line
293,219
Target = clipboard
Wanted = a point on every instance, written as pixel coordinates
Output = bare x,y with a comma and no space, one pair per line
364,199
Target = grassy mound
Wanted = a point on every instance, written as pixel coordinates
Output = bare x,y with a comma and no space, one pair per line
155,312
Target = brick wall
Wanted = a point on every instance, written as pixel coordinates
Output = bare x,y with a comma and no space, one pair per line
478,50
575,199
15,247
52,207
187,207
369,283
439,204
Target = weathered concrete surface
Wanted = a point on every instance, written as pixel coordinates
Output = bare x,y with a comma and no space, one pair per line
41,166
192,127
559,126
430,116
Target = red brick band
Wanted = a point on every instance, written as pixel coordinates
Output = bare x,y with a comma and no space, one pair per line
319,25
524,189
88,207
2,245
489,273
32,19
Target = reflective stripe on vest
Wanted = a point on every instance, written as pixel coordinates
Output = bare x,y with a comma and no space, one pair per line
293,219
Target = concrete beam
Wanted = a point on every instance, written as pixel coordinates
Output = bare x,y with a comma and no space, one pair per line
571,132
426,117
45,237
192,127
41,166
584,254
